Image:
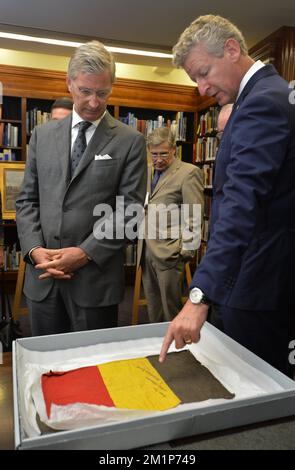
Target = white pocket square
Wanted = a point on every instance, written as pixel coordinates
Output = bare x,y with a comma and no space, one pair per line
102,157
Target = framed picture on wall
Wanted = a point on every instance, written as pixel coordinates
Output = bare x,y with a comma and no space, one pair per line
11,178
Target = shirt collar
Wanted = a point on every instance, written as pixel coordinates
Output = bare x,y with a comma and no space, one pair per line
252,70
76,119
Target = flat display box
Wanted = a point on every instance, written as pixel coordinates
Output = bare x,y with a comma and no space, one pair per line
140,432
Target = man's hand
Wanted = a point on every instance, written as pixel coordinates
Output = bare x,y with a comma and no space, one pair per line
62,263
185,328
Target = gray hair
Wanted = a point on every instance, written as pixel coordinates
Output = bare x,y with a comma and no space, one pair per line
160,135
211,31
91,57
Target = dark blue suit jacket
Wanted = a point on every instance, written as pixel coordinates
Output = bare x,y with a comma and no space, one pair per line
249,262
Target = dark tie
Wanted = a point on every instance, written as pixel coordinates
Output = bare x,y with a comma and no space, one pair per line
79,145
155,180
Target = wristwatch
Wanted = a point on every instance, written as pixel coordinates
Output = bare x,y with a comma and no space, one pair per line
197,296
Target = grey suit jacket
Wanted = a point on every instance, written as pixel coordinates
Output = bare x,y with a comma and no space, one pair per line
55,211
182,183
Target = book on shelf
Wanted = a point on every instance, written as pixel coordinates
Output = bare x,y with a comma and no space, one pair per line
1,132
35,117
146,126
205,149
208,122
208,176
7,155
11,258
8,135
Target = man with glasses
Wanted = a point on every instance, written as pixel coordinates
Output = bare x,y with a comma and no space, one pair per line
75,281
173,186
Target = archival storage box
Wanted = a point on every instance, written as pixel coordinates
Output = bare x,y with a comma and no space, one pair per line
277,399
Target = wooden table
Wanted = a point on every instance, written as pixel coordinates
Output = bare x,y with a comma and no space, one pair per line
6,403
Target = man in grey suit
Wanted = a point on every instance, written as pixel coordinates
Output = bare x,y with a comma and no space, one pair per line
172,225
74,281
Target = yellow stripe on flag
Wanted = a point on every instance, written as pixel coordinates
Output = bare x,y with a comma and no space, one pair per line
135,384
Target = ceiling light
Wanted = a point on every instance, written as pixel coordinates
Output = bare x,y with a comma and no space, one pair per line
59,42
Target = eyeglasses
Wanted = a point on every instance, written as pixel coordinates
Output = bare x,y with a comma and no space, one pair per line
100,94
162,155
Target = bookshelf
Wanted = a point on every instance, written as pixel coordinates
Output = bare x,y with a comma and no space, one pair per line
10,129
204,154
28,94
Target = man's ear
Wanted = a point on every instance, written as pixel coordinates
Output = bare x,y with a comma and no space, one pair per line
232,50
69,84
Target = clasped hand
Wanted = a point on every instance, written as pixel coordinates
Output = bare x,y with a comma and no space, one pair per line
59,264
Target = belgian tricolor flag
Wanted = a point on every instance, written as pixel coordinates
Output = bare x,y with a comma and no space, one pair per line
137,384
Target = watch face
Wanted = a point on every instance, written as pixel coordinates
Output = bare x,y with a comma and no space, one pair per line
196,295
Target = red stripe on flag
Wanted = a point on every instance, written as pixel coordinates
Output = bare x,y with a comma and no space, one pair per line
84,385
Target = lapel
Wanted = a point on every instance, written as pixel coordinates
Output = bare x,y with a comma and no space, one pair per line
63,143
171,170
264,72
103,134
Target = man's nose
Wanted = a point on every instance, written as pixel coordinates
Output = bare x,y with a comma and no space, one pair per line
94,100
203,87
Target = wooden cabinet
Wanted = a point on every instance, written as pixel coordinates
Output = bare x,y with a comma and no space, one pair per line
278,49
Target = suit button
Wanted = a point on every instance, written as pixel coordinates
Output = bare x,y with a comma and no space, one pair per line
56,237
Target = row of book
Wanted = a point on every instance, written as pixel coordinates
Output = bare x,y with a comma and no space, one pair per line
11,258
35,117
208,122
178,125
7,155
205,149
8,135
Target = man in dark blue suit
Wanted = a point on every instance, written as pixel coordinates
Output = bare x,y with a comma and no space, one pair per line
249,267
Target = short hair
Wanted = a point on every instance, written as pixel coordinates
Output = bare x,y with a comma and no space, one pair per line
212,32
65,102
91,57
160,135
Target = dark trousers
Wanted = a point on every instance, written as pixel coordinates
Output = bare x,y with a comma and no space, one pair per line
58,313
265,333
